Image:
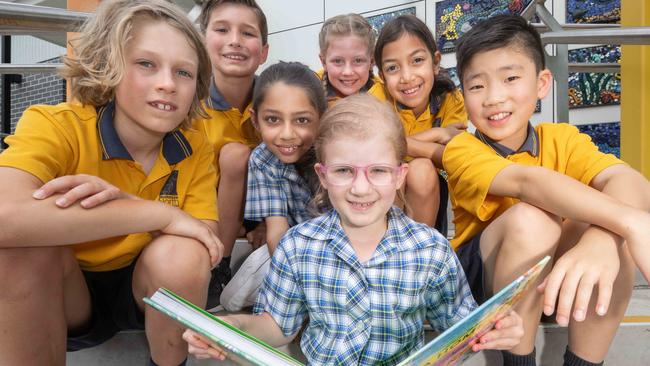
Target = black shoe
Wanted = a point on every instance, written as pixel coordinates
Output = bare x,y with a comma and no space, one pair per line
220,277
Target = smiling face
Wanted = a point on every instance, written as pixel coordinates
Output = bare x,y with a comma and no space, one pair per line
159,83
347,62
361,204
501,88
234,41
409,70
287,121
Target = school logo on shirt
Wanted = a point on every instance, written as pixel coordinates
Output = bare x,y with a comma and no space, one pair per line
168,192
437,122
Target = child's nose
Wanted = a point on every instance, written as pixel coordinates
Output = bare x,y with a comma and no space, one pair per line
166,81
494,96
360,184
287,132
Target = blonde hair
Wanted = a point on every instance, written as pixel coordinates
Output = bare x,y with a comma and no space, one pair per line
345,25
361,117
97,64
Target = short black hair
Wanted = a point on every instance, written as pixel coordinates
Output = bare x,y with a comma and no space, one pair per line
500,31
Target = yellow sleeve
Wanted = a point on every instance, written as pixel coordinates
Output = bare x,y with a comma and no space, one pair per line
377,89
452,109
471,167
40,146
201,197
583,159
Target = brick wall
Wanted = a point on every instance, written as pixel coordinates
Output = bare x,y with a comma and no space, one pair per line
46,88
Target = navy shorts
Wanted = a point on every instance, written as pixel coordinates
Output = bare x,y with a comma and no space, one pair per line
469,255
113,308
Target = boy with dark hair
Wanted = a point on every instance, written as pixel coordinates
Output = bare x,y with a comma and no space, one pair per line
236,39
521,192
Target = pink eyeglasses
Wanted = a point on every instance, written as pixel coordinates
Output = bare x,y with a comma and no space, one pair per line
345,174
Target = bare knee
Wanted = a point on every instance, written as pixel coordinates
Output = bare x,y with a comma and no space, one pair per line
176,261
531,229
422,178
25,270
233,159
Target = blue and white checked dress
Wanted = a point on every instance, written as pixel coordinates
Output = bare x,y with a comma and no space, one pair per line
363,313
275,189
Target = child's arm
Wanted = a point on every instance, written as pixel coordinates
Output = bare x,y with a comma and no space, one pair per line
33,222
276,227
261,326
431,143
611,206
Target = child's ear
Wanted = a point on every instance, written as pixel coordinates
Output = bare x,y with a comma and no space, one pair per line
401,176
254,119
321,57
436,62
544,83
265,53
321,178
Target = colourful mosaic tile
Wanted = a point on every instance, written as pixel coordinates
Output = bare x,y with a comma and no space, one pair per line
378,21
607,136
593,11
594,89
455,17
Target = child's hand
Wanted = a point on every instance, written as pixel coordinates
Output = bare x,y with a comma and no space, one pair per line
202,348
506,334
450,131
183,224
91,191
257,236
573,278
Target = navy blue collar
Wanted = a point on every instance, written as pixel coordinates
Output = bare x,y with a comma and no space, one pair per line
175,146
530,145
216,100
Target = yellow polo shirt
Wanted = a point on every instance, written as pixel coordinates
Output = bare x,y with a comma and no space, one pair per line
66,139
472,162
226,124
374,86
437,114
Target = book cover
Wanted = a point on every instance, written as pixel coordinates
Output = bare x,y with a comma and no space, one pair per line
241,347
454,345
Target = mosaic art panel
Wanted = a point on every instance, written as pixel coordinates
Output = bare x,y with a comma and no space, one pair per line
455,17
607,136
378,21
593,11
594,89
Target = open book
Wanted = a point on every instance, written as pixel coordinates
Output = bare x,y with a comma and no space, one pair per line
449,348
454,345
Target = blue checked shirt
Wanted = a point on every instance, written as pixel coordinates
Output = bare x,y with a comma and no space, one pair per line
363,313
275,189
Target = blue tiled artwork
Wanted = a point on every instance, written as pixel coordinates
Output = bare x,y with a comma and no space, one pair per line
378,21
607,136
455,17
453,74
593,11
593,89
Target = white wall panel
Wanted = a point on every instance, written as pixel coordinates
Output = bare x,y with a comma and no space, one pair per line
335,7
289,14
295,45
30,50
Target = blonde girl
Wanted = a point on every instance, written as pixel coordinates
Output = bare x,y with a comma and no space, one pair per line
346,44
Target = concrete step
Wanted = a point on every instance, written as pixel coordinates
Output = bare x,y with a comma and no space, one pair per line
630,346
